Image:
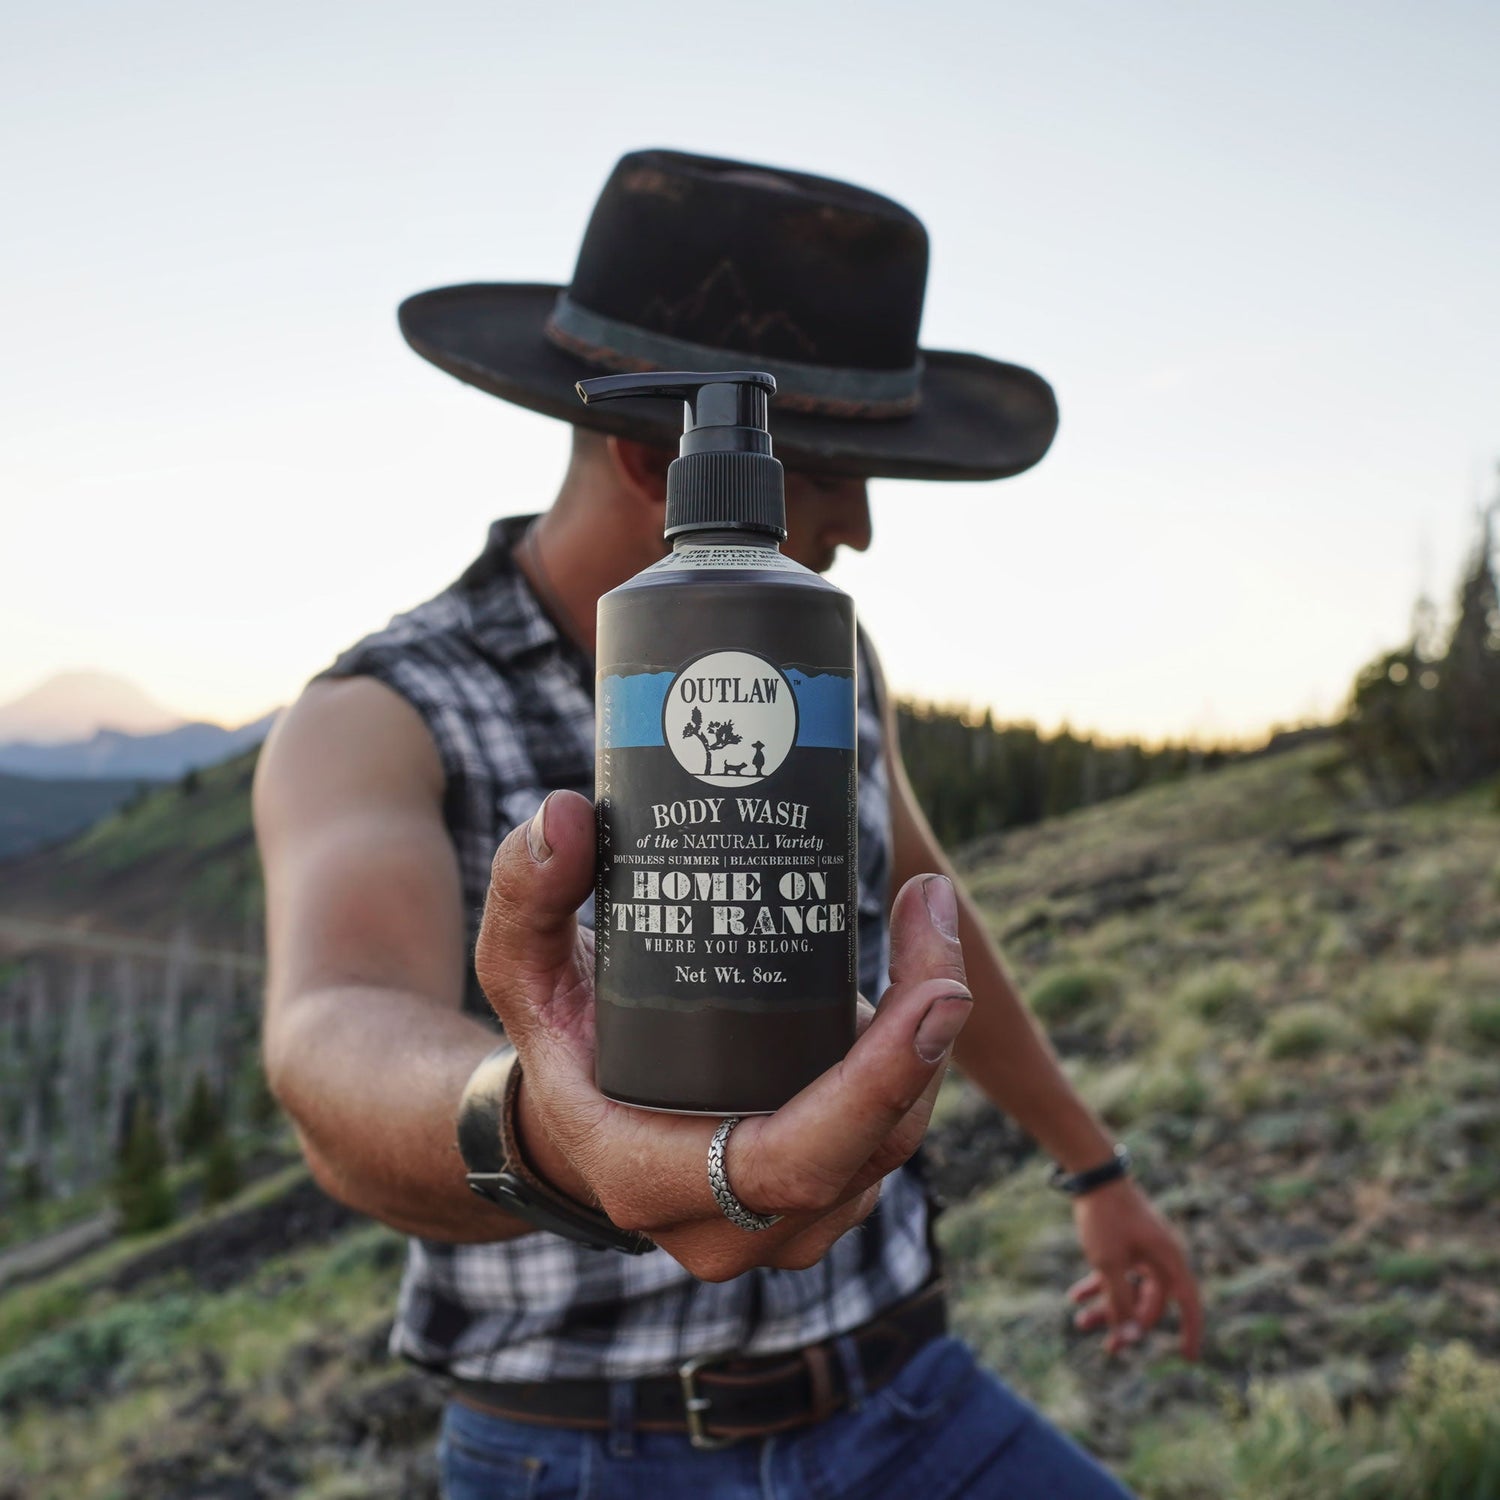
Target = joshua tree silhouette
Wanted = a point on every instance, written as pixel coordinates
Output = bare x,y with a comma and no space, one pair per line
723,736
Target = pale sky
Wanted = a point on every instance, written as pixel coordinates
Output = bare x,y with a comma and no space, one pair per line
1252,246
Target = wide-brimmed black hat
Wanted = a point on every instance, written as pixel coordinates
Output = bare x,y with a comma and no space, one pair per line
690,262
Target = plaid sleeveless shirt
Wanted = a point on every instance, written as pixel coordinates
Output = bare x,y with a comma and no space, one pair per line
509,702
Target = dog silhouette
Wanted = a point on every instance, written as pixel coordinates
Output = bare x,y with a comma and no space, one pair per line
737,769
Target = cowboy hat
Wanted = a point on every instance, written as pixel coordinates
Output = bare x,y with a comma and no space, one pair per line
692,262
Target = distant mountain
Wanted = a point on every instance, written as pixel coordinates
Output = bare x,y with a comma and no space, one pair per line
149,757
74,705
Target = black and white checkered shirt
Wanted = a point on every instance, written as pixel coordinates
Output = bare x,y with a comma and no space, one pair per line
509,702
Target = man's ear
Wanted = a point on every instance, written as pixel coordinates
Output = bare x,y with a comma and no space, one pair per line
642,469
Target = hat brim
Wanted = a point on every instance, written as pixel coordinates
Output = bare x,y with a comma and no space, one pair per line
977,419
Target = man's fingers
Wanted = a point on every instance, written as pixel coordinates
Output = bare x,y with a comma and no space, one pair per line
809,1247
902,1141
1119,1310
1087,1319
528,938
1182,1288
804,1156
1086,1288
1151,1300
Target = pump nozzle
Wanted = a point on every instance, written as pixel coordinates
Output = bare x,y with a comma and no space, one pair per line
725,477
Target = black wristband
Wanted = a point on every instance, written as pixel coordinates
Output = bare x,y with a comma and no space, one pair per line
1076,1184
497,1169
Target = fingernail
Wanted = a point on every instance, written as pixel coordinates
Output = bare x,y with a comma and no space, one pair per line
943,1021
536,833
942,905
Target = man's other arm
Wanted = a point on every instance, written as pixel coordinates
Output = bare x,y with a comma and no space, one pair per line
1002,1049
364,1039
1004,1052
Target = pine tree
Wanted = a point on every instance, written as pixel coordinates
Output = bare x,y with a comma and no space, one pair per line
261,1107
221,1170
31,1188
201,1120
142,1193
1469,674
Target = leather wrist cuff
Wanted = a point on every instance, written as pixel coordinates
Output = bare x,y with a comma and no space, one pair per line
489,1144
1076,1184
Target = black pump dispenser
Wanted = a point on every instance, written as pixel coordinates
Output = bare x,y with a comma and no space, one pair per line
725,477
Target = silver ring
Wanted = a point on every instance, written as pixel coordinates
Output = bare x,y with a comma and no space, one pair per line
732,1208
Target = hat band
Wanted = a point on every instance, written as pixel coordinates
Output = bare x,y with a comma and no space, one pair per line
827,390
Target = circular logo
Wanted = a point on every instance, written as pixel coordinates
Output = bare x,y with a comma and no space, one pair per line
730,718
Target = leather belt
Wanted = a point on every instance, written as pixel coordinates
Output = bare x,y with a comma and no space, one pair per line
719,1399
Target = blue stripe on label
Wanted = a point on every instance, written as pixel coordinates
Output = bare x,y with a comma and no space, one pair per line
825,710
630,710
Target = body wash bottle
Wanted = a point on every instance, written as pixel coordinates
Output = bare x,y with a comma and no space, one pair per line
726,784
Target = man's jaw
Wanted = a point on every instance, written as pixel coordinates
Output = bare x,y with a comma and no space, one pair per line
820,561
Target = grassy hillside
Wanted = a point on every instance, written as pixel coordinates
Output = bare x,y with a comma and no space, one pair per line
34,812
1287,1003
183,855
1290,1007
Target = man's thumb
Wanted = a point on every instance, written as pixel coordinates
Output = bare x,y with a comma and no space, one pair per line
540,875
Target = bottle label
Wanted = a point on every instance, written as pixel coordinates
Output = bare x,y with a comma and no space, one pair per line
727,824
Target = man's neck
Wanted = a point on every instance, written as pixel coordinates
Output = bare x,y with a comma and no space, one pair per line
581,548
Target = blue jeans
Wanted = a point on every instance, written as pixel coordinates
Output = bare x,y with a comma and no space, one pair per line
942,1428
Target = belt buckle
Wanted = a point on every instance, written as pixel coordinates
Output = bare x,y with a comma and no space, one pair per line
695,1405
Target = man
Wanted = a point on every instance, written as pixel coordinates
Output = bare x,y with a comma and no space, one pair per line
806,1358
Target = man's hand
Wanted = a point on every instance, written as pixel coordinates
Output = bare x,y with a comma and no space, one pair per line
1139,1267
818,1161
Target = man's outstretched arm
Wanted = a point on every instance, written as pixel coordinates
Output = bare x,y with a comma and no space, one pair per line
364,1041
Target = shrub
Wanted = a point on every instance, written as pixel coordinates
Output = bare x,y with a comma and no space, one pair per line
1302,1031
1224,992
1439,1441
1410,1268
93,1355
1282,1193
1064,995
1452,1431
1483,1022
1407,1117
1171,1090
1409,1013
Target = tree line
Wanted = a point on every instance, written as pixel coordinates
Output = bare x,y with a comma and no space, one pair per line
973,777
